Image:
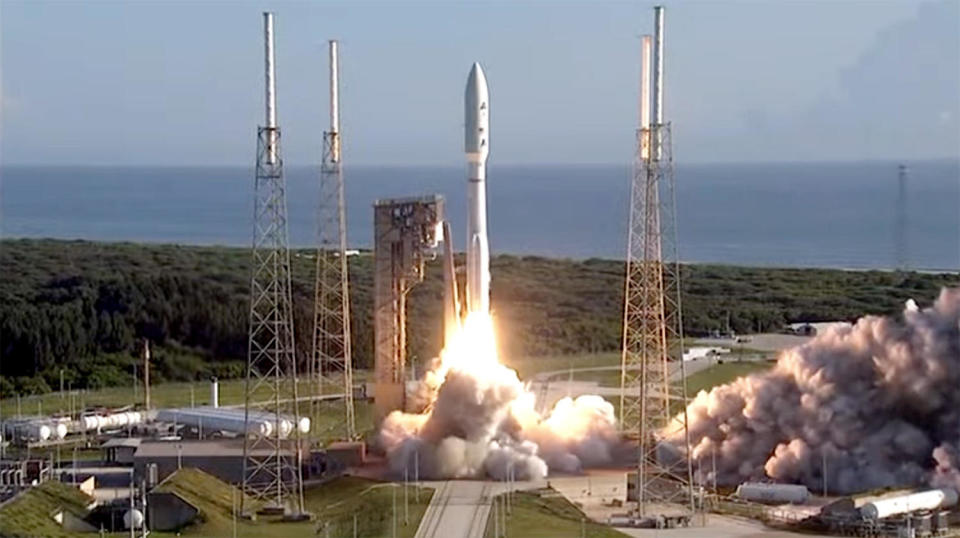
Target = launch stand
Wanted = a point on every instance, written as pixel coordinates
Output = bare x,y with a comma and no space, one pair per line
405,231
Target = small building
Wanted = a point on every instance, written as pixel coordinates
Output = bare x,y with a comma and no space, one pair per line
348,453
222,458
813,328
169,511
120,450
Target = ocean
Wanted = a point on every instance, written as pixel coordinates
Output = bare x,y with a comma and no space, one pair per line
839,215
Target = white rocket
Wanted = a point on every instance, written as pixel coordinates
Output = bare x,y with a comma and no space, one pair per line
477,147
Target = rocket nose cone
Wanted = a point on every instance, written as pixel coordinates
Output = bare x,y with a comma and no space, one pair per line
476,112
476,84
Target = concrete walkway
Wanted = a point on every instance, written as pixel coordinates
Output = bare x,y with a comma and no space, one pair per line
458,508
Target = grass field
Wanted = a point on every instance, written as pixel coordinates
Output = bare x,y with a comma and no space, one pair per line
335,506
527,367
535,515
164,395
723,373
232,391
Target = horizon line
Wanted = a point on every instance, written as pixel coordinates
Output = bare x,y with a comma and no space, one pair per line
952,158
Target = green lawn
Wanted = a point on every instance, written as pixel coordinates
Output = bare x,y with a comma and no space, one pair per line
171,395
546,514
528,366
369,504
334,506
723,373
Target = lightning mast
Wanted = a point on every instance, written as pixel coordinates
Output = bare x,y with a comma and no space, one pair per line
331,359
900,230
271,464
653,385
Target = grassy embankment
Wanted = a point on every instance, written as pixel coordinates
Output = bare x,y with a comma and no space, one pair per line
545,514
30,514
335,507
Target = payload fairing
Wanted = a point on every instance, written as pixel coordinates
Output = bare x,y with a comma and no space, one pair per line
477,147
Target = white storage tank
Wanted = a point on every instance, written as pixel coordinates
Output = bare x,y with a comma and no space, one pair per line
304,425
903,504
214,393
773,493
133,518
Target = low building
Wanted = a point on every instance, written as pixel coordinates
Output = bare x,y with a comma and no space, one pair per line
814,328
222,458
120,450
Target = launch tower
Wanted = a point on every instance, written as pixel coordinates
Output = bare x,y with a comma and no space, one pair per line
653,385
331,361
271,466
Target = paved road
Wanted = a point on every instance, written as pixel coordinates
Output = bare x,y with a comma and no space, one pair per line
553,385
458,508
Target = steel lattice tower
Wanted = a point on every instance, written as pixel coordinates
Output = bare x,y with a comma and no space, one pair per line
271,464
331,359
653,385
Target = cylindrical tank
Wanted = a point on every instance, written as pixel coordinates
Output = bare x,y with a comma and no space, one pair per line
151,474
61,430
304,425
42,431
217,419
133,518
214,393
285,428
924,500
773,493
90,423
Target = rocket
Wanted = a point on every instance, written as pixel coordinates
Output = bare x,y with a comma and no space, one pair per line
477,147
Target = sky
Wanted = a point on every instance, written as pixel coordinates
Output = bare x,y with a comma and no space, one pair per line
167,83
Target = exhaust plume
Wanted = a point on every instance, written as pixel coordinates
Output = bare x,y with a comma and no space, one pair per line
480,420
878,401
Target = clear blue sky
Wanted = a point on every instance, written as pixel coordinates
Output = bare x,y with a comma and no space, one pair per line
181,83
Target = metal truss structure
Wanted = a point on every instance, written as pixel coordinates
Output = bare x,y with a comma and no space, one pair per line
331,360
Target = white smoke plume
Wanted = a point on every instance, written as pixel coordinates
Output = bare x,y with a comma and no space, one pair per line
879,400
481,420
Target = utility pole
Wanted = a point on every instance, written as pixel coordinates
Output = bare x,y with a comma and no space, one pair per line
900,230
146,374
406,513
824,456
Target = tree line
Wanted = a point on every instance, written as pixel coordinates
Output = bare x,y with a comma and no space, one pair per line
80,309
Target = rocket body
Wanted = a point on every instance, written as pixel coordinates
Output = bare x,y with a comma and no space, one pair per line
477,147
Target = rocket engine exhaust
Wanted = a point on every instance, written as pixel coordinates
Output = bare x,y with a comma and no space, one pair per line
478,418
875,404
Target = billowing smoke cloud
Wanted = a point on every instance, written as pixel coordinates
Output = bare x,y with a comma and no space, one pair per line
879,400
479,420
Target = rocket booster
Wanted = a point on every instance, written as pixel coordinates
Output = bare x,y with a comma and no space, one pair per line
477,147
